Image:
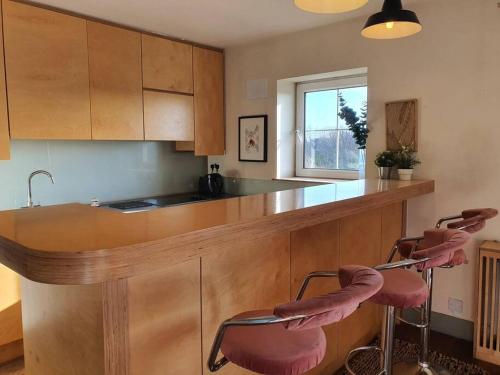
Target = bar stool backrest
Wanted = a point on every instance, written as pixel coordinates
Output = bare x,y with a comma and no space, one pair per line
358,284
440,246
474,220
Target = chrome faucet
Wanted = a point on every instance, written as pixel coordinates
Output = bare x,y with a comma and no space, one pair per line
30,197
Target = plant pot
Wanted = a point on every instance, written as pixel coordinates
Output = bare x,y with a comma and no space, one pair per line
405,174
384,173
362,164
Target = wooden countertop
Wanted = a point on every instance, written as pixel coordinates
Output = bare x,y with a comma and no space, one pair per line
79,244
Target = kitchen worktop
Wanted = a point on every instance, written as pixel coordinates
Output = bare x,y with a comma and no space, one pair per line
79,244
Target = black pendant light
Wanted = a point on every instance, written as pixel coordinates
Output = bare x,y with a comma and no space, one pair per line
392,22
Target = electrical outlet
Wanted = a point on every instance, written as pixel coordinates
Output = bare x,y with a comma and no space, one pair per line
456,306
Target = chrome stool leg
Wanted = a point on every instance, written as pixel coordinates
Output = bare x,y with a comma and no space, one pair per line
387,343
423,366
388,338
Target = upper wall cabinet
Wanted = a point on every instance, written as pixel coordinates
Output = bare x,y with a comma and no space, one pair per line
4,119
168,116
115,82
167,65
208,72
47,73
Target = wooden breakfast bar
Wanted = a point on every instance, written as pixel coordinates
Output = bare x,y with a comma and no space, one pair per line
108,293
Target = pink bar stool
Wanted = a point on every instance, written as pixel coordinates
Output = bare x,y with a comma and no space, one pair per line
445,248
402,289
289,340
470,221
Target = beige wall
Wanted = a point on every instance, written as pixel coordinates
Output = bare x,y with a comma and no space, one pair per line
453,68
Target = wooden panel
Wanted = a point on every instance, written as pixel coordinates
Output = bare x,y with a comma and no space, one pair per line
165,321
4,118
115,83
11,328
255,275
360,240
115,327
63,332
167,65
168,117
47,63
184,146
392,228
317,249
402,124
11,351
208,71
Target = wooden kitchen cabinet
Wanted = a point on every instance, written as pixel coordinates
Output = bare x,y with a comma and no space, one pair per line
208,73
184,146
4,118
47,73
115,82
70,78
167,65
168,116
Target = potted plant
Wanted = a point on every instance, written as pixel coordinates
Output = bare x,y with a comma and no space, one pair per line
407,160
358,125
385,160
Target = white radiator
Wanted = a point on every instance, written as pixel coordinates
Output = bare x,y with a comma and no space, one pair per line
487,327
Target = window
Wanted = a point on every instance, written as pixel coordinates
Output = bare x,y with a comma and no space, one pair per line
325,145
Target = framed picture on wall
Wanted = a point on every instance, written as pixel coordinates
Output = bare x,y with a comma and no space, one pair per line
253,138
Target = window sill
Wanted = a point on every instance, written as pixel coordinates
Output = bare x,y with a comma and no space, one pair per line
312,179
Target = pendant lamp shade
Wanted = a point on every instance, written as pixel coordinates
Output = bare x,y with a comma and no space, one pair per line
392,22
329,6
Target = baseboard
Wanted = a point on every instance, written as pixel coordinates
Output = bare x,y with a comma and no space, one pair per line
447,324
11,351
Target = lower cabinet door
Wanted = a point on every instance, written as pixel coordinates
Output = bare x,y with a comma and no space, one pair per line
165,322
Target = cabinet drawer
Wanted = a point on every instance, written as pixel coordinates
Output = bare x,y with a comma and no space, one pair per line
168,117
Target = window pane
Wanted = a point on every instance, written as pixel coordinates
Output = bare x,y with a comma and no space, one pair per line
321,110
348,151
320,149
355,98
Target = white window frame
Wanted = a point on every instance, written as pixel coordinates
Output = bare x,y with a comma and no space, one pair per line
323,85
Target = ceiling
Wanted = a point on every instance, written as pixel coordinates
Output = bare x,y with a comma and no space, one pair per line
220,23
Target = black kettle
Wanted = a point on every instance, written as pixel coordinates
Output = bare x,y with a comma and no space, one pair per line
212,184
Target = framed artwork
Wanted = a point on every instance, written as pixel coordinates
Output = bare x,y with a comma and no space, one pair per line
252,134
402,124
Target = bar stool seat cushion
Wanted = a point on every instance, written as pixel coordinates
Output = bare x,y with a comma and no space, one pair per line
402,289
272,349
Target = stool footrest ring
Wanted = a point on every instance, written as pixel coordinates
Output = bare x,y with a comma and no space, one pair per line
418,325
357,350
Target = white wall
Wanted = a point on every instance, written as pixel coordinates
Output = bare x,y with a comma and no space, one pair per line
452,67
104,170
